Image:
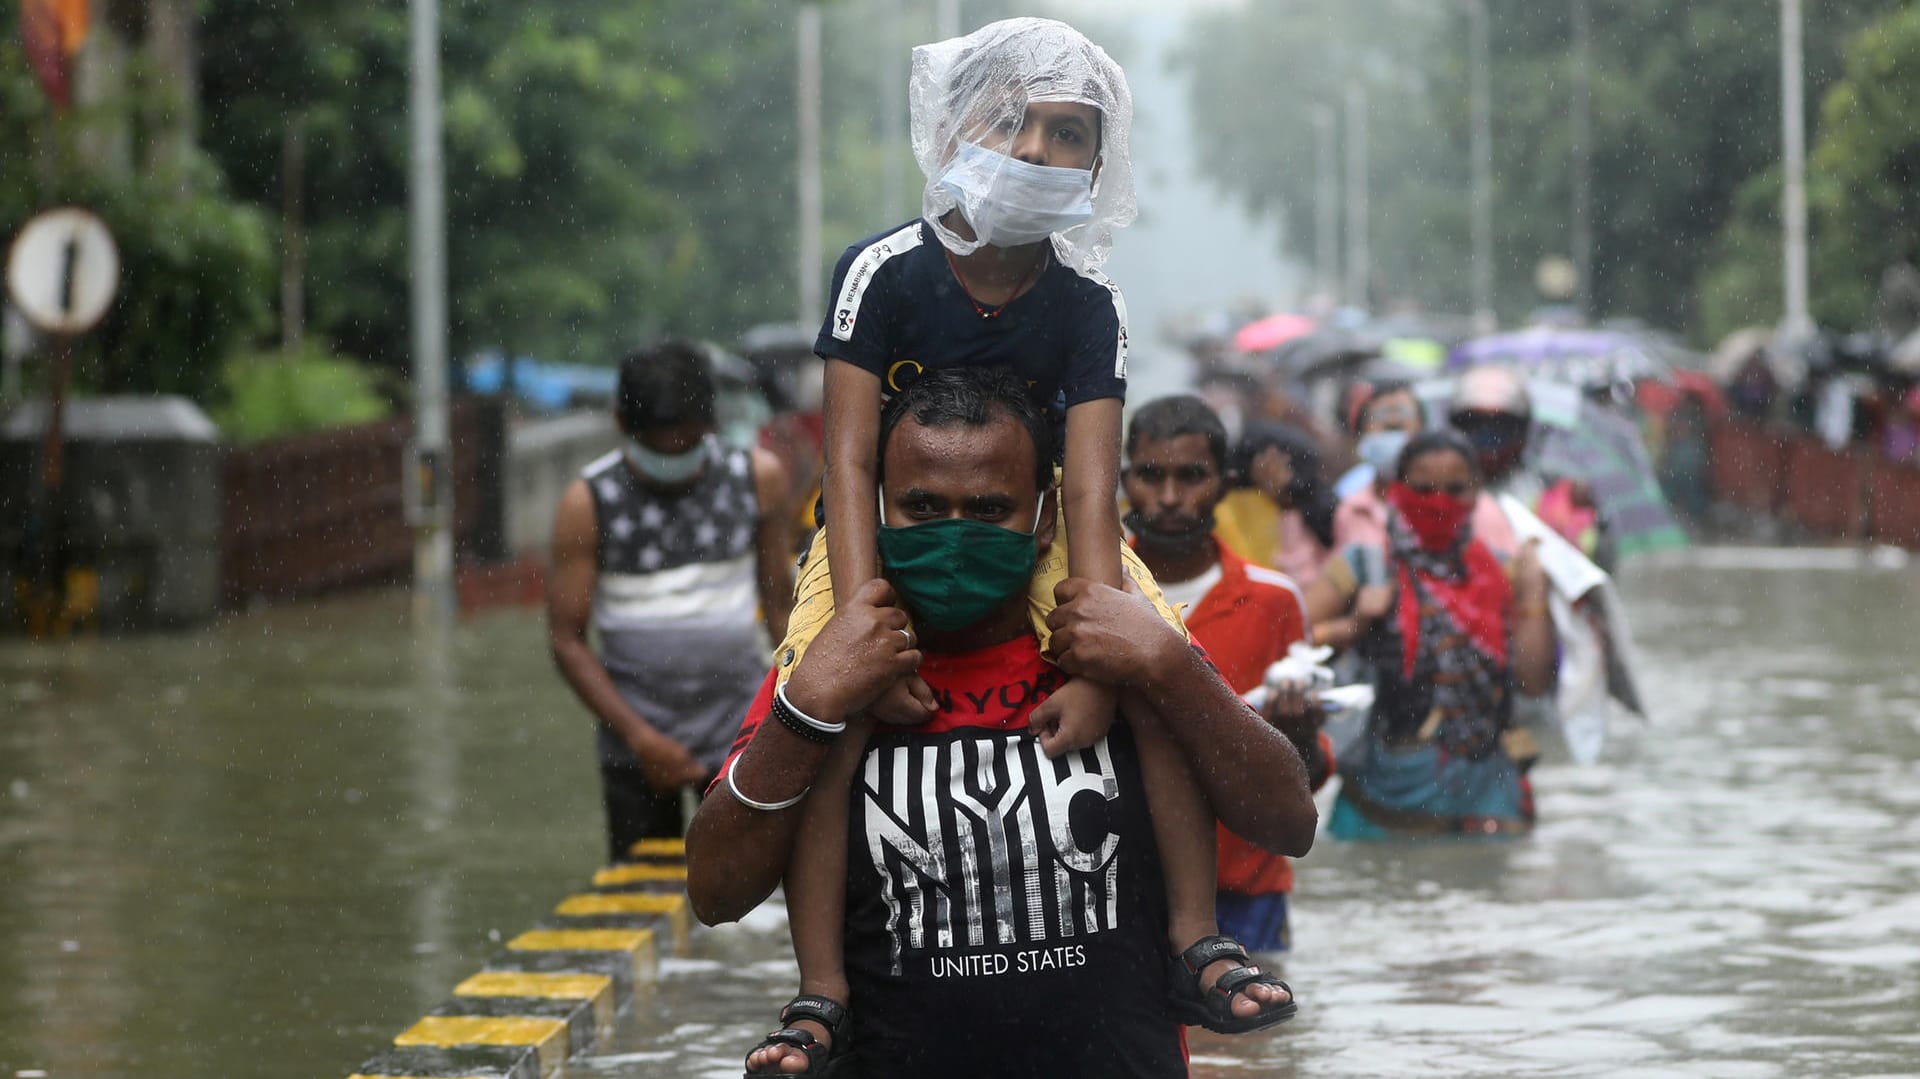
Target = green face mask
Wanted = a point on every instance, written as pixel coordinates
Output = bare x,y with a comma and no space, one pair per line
954,572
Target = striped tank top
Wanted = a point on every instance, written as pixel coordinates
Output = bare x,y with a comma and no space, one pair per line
675,602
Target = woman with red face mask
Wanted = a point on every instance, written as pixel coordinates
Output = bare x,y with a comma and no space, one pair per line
1450,636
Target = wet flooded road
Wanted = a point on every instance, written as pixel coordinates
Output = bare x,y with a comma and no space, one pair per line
265,848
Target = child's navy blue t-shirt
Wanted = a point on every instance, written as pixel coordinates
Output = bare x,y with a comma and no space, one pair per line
899,310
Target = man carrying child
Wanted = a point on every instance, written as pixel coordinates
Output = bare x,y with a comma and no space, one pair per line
1004,909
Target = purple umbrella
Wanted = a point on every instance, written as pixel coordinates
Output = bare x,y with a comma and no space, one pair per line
1583,357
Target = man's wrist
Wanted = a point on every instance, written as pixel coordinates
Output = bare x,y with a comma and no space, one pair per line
802,723
814,702
640,738
1168,662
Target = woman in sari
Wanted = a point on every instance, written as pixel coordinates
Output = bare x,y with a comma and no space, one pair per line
1451,636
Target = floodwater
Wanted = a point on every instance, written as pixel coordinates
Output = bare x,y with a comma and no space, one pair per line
264,848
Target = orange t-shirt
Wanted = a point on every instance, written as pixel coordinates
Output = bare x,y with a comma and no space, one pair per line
1246,622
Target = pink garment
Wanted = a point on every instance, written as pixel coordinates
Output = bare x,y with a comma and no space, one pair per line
1490,526
1300,555
1361,518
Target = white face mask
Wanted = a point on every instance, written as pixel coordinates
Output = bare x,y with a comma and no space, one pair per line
1381,450
1009,202
670,468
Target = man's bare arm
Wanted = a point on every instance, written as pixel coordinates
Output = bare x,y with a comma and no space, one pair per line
736,854
570,584
773,543
1252,775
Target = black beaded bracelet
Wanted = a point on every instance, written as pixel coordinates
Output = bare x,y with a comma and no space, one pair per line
793,721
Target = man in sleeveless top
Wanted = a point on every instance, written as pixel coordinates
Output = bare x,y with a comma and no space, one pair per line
671,548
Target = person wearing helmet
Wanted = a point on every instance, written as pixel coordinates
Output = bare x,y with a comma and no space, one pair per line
1492,408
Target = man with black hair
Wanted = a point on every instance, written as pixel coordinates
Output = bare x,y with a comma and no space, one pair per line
1246,616
1005,909
670,547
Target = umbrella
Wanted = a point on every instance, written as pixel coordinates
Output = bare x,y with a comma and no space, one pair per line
1578,439
1271,332
1604,449
1660,398
1581,357
1307,353
1733,352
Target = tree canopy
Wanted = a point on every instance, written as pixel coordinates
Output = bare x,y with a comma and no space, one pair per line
1685,112
614,171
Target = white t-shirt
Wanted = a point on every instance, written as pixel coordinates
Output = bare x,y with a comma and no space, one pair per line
1188,593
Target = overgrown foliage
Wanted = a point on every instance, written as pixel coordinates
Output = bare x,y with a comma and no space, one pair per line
614,171
196,265
263,395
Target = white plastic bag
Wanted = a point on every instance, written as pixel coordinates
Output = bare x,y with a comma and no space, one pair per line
978,87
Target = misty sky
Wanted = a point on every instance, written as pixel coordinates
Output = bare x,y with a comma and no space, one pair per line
1191,251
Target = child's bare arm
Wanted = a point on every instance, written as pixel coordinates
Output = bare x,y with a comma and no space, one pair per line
1090,476
851,417
1081,712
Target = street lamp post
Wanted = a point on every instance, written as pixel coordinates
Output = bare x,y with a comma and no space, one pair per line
1580,134
1326,200
893,113
1478,62
431,504
1798,322
807,92
1358,268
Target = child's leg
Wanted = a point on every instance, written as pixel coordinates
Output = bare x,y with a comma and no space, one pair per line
1051,569
1183,821
1183,828
816,878
816,897
812,606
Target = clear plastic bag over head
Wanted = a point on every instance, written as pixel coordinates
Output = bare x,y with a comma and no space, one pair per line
976,89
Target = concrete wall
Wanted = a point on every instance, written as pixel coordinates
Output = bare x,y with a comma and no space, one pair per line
139,509
542,458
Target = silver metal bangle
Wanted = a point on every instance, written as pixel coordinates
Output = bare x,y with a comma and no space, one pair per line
822,726
764,807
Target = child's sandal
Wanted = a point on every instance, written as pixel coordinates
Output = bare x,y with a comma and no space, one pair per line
1212,1008
820,1056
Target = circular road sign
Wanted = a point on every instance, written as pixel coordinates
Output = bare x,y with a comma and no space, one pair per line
62,270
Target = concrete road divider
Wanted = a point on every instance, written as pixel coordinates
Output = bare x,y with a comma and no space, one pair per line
554,991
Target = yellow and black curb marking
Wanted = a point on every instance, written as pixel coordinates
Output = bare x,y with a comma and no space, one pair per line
554,991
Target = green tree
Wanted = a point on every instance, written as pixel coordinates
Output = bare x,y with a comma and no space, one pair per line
612,169
195,263
1863,193
1685,110
1865,170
